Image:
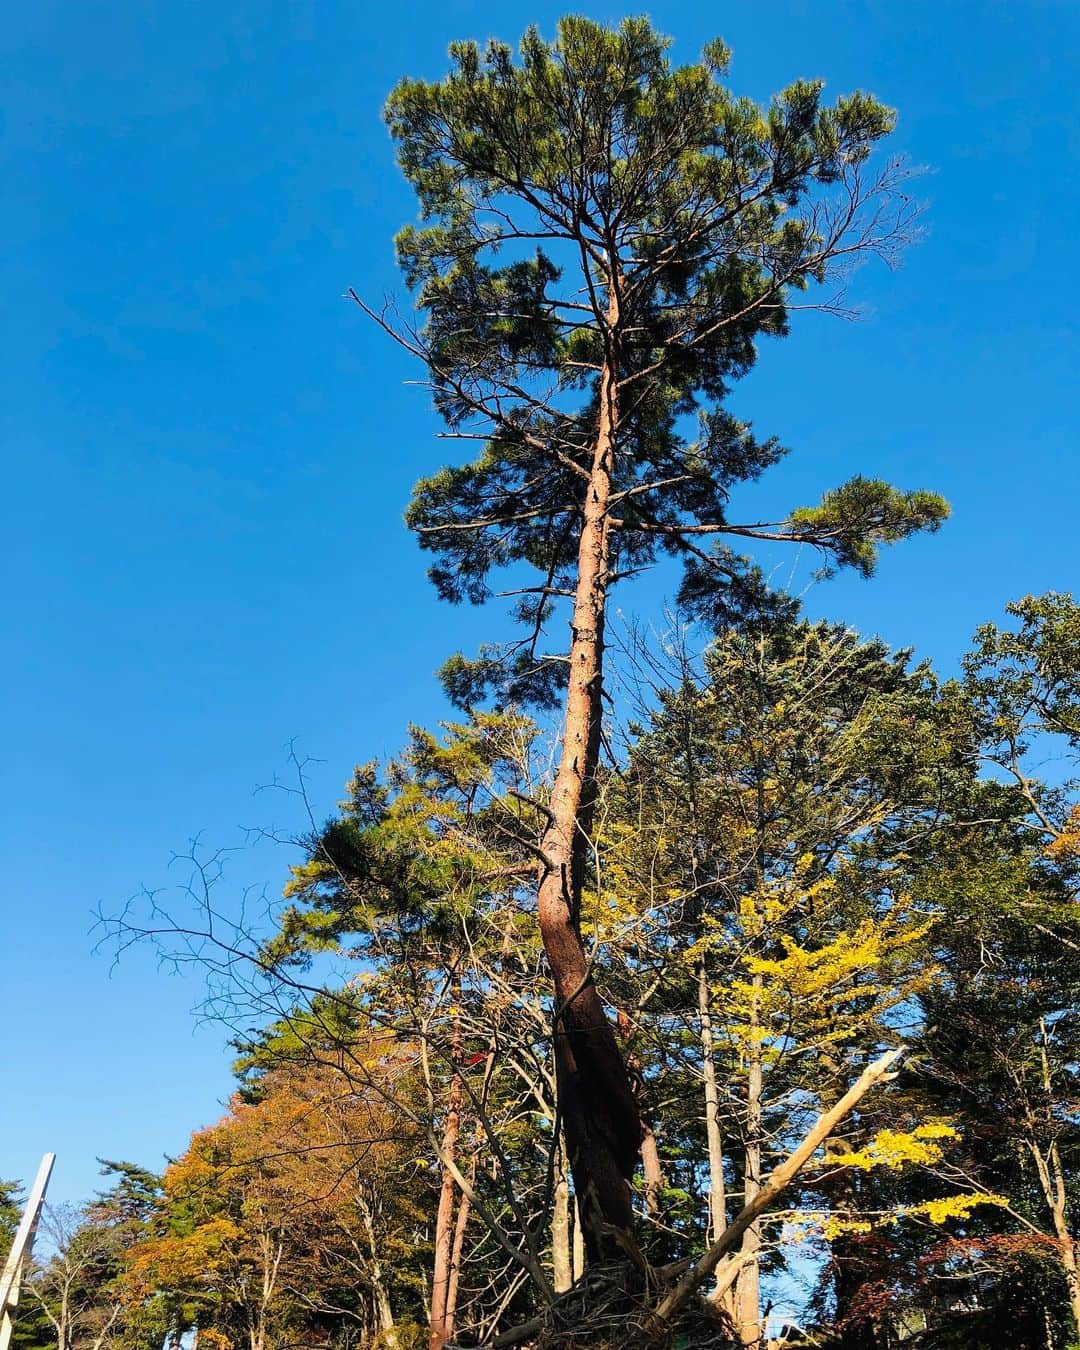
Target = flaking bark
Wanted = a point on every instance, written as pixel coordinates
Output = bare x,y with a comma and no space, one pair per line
599,1110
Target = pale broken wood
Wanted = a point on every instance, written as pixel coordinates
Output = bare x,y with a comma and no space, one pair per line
778,1181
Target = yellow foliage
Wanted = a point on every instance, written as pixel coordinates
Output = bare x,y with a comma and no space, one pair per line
1067,844
808,973
950,1206
829,1226
833,1226
895,1149
216,1340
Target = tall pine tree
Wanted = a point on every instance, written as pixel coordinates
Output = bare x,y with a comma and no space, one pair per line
603,239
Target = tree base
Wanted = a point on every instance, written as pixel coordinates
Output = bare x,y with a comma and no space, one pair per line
611,1309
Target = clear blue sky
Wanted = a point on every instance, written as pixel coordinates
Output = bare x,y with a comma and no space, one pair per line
208,450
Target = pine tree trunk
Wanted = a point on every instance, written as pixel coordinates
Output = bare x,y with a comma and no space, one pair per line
460,1225
603,1131
439,1331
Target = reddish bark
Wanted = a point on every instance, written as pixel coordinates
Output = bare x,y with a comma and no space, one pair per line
650,1152
599,1111
441,1326
460,1225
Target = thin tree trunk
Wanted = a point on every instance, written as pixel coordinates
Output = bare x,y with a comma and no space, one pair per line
747,1300
748,1285
1048,1327
562,1269
713,1137
439,1332
1052,1179
603,1131
100,1338
383,1307
385,1313
460,1225
578,1249
779,1180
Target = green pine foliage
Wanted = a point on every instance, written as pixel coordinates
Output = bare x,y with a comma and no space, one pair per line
589,207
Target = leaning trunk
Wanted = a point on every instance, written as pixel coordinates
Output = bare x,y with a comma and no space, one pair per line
650,1151
596,1100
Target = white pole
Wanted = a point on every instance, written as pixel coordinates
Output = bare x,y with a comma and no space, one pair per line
11,1279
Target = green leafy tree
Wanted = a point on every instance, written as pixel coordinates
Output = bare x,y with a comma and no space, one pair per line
420,884
128,1211
604,238
11,1202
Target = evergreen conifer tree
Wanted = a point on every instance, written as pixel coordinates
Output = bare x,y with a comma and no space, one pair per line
603,240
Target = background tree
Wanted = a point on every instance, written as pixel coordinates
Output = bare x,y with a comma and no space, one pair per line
761,835
1024,687
996,1028
77,1287
296,1211
11,1207
603,240
421,877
